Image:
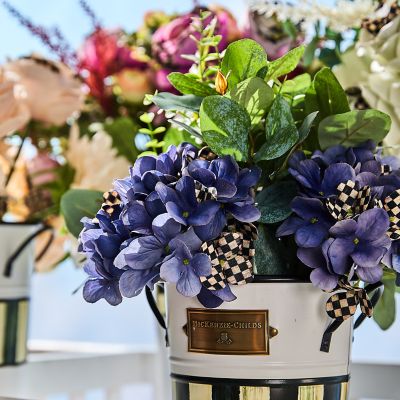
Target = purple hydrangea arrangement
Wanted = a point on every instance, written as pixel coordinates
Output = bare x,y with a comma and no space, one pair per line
345,217
285,179
159,223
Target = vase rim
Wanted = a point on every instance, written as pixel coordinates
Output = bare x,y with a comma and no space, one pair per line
279,279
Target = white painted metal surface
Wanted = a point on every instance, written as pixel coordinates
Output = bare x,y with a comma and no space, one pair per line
18,284
297,310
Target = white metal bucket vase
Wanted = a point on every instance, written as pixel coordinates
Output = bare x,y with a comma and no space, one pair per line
264,345
17,259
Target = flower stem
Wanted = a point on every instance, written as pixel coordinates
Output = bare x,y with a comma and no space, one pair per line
15,160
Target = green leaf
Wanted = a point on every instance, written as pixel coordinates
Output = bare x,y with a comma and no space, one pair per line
385,310
297,85
269,258
79,203
309,52
169,101
175,137
186,127
187,84
353,128
255,96
281,131
225,126
274,201
330,96
243,59
123,131
305,127
284,65
330,57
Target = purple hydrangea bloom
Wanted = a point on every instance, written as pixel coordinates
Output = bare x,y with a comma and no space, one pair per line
311,223
362,242
185,269
214,298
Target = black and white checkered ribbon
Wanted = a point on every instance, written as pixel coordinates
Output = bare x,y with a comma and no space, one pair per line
350,200
204,193
343,305
231,257
111,201
391,204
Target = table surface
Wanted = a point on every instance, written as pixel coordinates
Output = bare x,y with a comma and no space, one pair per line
82,371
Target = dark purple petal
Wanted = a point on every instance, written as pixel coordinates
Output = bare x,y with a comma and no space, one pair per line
312,257
97,289
172,269
191,240
344,228
208,299
308,208
213,229
189,284
334,175
136,218
186,188
166,193
203,214
372,224
108,246
142,165
311,235
201,264
370,275
290,226
165,228
321,278
225,168
367,256
132,282
244,213
176,212
225,189
307,173
339,255
142,253
154,205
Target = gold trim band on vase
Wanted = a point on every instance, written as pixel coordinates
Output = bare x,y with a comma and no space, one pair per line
202,391
13,331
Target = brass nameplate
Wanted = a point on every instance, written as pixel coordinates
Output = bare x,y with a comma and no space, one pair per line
237,332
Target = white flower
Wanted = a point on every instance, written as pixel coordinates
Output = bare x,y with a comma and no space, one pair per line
14,114
341,16
376,60
95,162
50,90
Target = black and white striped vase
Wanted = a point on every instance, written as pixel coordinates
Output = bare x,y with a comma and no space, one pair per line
290,367
16,269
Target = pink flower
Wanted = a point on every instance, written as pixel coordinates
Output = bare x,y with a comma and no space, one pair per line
173,40
14,114
41,169
102,55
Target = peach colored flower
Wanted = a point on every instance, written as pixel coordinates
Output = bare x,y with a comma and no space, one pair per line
95,162
14,114
50,90
133,84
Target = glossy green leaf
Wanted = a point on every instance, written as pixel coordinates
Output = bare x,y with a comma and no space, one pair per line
175,137
385,310
309,52
243,59
353,128
169,101
305,127
281,131
225,126
255,96
287,63
330,96
79,203
274,201
123,131
297,85
187,84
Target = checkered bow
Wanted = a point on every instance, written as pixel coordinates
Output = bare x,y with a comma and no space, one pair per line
350,201
231,257
204,193
343,305
111,201
391,205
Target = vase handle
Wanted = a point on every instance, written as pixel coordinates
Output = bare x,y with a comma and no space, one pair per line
157,313
21,247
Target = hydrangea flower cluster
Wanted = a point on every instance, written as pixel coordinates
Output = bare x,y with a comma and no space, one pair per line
156,224
345,220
